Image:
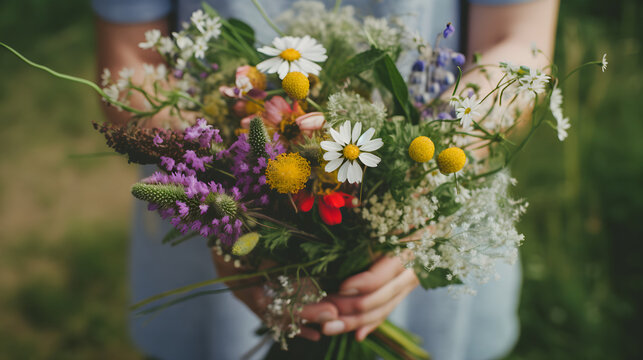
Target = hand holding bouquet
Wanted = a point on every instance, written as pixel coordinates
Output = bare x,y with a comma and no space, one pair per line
315,155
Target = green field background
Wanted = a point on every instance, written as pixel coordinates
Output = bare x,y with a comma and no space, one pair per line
65,217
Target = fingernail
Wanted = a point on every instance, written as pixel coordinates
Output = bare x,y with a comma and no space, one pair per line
333,327
348,292
325,316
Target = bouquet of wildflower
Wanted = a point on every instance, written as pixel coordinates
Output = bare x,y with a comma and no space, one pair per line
316,154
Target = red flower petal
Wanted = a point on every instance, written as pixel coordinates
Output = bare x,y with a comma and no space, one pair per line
334,199
348,199
329,214
304,200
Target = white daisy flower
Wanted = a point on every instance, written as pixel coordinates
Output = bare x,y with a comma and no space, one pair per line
151,38
604,63
349,146
292,54
182,41
198,19
562,124
211,28
166,45
465,110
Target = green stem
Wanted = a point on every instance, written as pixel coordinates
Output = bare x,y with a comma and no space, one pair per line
580,67
78,80
267,18
338,4
314,104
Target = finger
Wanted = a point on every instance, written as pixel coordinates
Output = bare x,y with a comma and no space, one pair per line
352,322
319,313
361,304
363,332
381,272
310,334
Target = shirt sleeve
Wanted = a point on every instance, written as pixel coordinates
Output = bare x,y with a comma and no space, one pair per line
497,2
131,11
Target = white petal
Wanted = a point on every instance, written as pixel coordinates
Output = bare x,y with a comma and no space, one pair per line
333,165
343,172
366,136
369,159
337,137
331,155
372,145
330,146
279,43
345,132
283,69
357,130
270,51
309,66
268,65
354,173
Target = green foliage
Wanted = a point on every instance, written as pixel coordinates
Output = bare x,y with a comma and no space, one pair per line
388,75
358,63
274,237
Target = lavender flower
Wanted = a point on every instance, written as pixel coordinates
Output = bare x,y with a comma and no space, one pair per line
448,30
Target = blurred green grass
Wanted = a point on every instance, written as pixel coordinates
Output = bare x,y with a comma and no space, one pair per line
64,231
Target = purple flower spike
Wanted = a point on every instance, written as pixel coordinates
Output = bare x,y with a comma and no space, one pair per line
448,30
157,140
183,208
168,162
204,208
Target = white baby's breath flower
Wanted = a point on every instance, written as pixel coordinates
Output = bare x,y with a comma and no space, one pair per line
534,82
198,19
149,69
180,64
105,77
349,146
166,45
211,29
124,78
466,110
151,38
182,41
112,92
604,63
562,125
200,47
292,54
161,72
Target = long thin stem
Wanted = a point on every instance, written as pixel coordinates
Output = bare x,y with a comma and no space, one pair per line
191,287
580,67
78,80
338,4
267,18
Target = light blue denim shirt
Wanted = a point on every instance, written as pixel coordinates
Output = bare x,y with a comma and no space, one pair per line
478,327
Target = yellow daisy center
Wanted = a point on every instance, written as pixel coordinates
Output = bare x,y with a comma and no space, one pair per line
467,110
290,54
421,149
296,85
451,160
288,173
351,152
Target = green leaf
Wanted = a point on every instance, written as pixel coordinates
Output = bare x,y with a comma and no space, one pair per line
435,278
171,235
359,63
356,260
392,80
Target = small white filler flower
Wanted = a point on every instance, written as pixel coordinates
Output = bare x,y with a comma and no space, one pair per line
604,63
349,146
292,54
465,110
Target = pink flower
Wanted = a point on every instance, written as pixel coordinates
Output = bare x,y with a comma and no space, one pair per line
289,121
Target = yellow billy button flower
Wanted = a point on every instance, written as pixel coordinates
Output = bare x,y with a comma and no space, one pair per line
245,244
451,160
296,85
421,149
288,173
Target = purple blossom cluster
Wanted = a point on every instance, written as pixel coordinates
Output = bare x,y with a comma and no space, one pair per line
227,228
248,169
